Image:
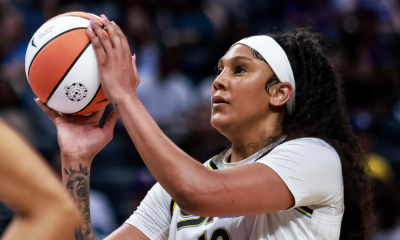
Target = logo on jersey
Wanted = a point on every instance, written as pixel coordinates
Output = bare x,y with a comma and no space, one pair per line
76,92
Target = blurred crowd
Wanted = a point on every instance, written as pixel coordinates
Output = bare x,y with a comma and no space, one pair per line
178,43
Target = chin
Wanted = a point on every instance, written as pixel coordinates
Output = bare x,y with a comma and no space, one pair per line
220,123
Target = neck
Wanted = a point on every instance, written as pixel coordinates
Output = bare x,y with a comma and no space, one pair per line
248,142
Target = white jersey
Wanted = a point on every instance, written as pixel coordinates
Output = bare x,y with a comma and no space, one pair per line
310,168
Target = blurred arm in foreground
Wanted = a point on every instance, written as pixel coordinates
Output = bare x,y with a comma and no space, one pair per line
44,210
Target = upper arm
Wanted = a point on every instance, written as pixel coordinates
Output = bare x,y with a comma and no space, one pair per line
127,232
291,175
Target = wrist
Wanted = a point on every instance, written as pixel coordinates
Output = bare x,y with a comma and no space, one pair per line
124,99
69,158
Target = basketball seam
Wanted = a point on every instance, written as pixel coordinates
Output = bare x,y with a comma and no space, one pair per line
68,70
33,59
97,92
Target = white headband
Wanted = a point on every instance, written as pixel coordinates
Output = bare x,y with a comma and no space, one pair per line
276,58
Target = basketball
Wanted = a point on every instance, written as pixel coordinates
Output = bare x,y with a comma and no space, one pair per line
61,66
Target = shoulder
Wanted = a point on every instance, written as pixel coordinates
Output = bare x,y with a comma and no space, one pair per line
157,196
307,143
313,155
310,167
308,149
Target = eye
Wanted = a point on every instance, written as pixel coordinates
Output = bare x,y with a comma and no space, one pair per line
240,69
217,70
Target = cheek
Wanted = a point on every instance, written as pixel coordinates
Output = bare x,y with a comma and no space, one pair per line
251,98
249,108
249,101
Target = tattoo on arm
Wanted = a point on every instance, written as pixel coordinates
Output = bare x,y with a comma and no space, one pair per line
78,187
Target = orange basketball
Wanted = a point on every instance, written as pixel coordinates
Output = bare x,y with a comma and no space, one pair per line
61,65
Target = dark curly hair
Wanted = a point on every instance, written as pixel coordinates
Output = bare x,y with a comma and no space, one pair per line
320,113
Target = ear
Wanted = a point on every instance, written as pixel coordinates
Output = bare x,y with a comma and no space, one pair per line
280,94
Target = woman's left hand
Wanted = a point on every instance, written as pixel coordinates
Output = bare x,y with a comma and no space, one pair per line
117,76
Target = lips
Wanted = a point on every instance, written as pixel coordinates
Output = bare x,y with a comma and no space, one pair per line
219,99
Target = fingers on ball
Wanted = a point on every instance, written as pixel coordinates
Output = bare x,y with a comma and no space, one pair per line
101,36
114,37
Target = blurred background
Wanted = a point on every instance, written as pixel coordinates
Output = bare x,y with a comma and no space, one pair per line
178,43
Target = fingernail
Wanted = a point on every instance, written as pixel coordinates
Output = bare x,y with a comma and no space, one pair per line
134,55
35,99
103,16
112,22
91,19
89,28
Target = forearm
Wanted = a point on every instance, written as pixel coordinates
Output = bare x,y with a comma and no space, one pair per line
75,178
176,171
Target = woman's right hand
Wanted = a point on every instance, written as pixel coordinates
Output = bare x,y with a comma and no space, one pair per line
80,137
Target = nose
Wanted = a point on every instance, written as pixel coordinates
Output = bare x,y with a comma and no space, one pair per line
220,83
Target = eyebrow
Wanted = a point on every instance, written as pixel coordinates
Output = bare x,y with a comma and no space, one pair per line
238,58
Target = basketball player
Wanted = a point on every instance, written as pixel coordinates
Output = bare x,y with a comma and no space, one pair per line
294,171
27,185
